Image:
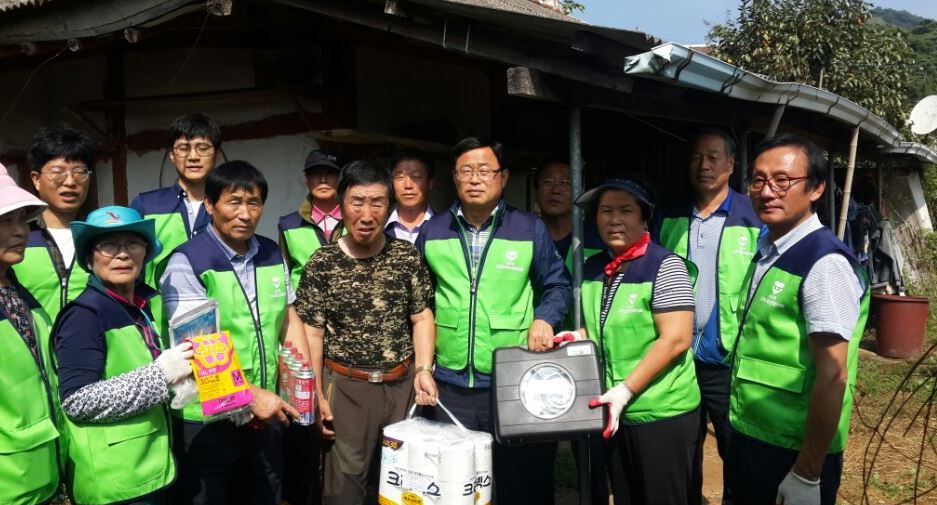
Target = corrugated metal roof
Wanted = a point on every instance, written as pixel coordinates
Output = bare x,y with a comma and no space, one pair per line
682,66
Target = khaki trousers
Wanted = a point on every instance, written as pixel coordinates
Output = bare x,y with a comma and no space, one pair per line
360,410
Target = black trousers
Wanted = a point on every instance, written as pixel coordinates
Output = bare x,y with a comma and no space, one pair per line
757,469
714,381
523,473
219,463
654,463
598,474
302,459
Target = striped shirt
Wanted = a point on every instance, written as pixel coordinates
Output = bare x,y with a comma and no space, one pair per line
703,251
673,290
832,290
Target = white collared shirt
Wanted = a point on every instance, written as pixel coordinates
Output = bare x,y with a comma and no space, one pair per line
401,231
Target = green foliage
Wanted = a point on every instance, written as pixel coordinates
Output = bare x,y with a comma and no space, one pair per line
923,40
572,5
825,43
929,185
901,19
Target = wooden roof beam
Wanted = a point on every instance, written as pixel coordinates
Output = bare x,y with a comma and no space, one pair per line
470,38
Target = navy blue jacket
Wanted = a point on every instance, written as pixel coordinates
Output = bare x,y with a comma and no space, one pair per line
168,200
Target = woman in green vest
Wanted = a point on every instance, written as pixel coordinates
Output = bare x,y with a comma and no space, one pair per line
637,304
29,438
114,377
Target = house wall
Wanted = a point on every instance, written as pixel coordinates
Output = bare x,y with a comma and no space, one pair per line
394,92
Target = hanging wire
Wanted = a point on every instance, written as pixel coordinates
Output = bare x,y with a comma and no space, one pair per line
192,49
28,80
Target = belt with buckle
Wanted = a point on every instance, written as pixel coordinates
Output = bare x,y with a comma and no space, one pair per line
372,376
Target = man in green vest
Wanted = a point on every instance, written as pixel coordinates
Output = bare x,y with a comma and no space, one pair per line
794,363
193,145
303,232
489,261
716,228
60,162
245,273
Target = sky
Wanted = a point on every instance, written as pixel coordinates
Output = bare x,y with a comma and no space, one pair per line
685,21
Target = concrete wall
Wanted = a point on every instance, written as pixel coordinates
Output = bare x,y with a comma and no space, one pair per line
906,199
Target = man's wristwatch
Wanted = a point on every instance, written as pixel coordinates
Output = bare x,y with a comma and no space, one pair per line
423,368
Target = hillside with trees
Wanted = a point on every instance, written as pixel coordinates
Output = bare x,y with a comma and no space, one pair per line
921,35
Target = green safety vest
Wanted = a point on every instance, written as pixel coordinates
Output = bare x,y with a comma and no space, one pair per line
478,312
591,245
256,340
773,371
737,246
628,334
301,239
129,458
171,231
29,409
38,275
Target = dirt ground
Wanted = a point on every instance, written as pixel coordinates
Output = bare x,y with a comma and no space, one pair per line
877,470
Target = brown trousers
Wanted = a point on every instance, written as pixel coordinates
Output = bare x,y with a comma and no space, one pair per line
360,410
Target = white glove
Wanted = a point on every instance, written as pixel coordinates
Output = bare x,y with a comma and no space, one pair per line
184,392
565,337
616,399
796,490
175,362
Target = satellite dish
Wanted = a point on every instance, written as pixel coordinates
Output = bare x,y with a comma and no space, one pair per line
924,116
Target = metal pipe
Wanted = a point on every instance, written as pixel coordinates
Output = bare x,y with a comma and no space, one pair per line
831,189
741,162
775,120
847,186
575,176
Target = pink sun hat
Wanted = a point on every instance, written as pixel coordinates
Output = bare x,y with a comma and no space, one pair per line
13,197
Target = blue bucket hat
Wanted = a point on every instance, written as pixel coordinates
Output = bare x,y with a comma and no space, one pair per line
113,219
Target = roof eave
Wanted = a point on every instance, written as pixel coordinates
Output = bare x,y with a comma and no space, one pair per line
682,66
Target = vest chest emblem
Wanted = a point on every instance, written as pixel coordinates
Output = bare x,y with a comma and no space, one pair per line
771,299
630,309
278,290
742,249
510,258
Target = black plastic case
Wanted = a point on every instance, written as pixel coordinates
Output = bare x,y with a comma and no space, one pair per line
515,423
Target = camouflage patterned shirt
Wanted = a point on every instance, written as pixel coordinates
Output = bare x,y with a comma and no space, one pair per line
365,304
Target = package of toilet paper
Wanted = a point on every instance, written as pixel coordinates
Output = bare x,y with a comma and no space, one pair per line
428,463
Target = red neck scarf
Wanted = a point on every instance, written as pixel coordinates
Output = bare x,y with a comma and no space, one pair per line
637,249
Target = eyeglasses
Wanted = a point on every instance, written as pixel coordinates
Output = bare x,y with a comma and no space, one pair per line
549,183
200,149
111,249
483,173
58,175
779,184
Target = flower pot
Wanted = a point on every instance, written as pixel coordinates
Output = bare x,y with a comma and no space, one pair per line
900,325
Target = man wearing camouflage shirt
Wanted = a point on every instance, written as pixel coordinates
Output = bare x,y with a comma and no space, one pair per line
365,302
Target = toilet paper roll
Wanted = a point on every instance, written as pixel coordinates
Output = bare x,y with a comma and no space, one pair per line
457,461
